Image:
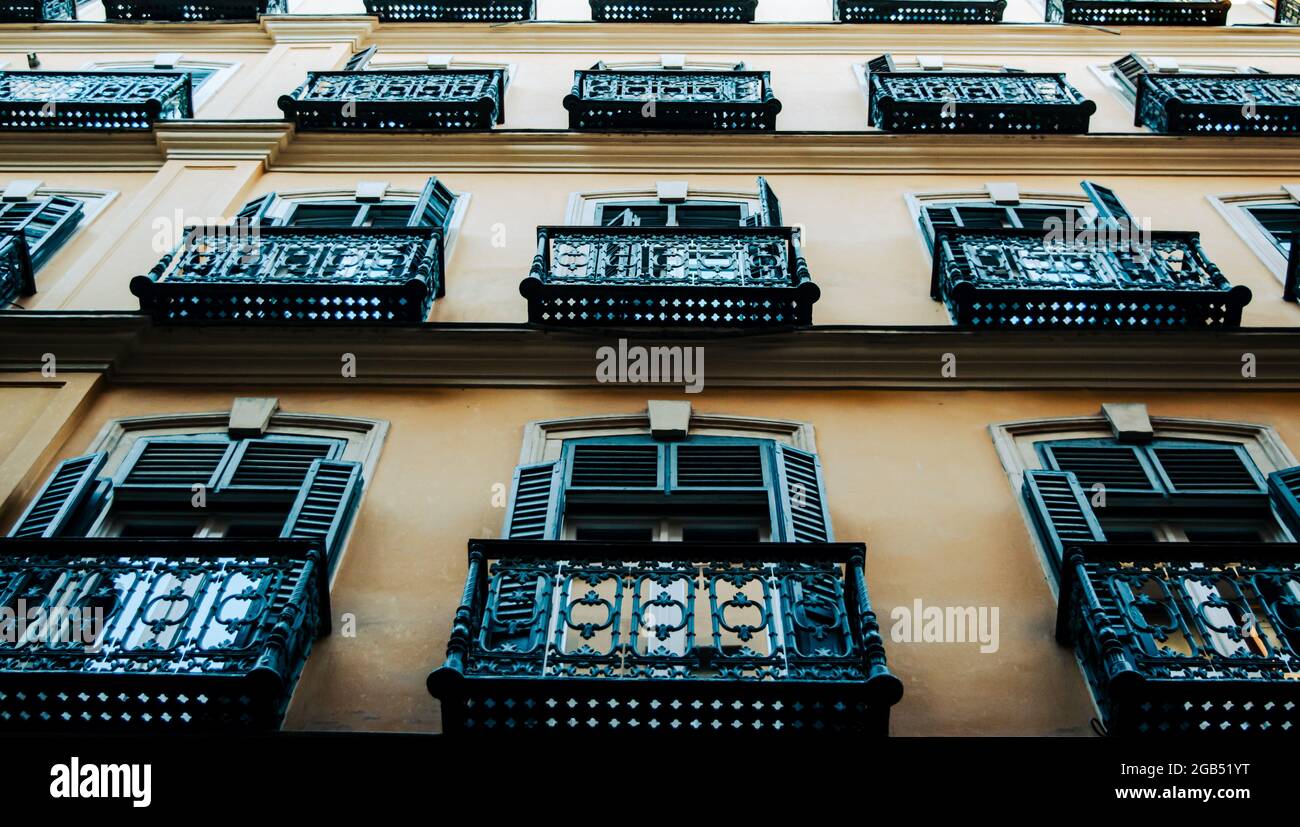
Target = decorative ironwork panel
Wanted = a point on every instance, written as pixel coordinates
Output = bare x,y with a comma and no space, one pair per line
1287,11
36,11
187,10
1139,12
1187,638
673,11
919,11
396,100
977,102
727,277
672,100
463,11
92,100
556,635
16,278
293,274
1219,104
160,635
1020,278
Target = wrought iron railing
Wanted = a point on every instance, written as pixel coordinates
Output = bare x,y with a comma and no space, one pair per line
1022,278
1291,289
187,10
398,100
1187,638
1139,12
919,11
1243,104
92,100
667,277
16,275
463,11
1012,102
1287,12
606,637
736,101
297,274
155,635
673,11
36,11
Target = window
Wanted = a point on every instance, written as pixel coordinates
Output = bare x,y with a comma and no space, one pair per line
1123,75
1267,222
675,204
206,76
374,205
1278,221
985,215
45,221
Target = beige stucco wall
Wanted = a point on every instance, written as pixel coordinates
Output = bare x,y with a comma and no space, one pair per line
914,475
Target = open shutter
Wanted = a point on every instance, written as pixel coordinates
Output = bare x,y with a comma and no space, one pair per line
434,207
1110,210
1060,511
358,62
1291,289
533,513
325,504
1129,70
53,508
805,517
49,226
1119,468
265,466
1284,488
769,208
170,467
884,63
255,212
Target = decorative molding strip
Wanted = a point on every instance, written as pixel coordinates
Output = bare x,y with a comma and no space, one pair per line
223,140
129,349
80,151
97,37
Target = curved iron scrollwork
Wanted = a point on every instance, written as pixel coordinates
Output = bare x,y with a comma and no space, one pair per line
16,276
737,101
1139,12
1287,11
783,626
1187,638
977,102
92,100
1192,104
297,274
155,634
434,99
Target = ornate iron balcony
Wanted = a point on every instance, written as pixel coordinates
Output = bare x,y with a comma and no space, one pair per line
297,274
163,636
1012,102
736,101
416,99
1139,12
673,11
919,11
1187,638
92,100
37,11
1219,104
556,636
1291,289
188,10
669,277
16,275
1287,12
463,11
1016,278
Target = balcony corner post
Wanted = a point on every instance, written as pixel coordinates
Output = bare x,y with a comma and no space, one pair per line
882,685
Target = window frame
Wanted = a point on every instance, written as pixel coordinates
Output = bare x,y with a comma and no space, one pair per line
584,207
222,72
919,202
1234,209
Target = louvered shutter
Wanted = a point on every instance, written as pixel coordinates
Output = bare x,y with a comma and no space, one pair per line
1060,509
255,212
1110,210
1291,289
49,226
1207,469
169,467
616,466
273,465
1119,468
358,62
884,63
533,513
1129,70
709,465
325,505
805,517
55,505
769,208
1284,488
434,207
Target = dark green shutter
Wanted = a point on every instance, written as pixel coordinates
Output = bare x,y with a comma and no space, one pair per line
1130,69
49,226
717,465
1119,468
884,63
325,505
1291,289
254,213
769,208
805,517
1110,210
533,513
170,467
1284,488
434,207
358,62
262,466
1199,468
1060,509
615,466
53,508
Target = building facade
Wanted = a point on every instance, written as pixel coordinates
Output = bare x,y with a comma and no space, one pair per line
356,360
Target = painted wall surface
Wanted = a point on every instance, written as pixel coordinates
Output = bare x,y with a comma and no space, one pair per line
914,475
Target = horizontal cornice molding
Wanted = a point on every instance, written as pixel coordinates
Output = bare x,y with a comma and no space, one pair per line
130,349
222,140
759,38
